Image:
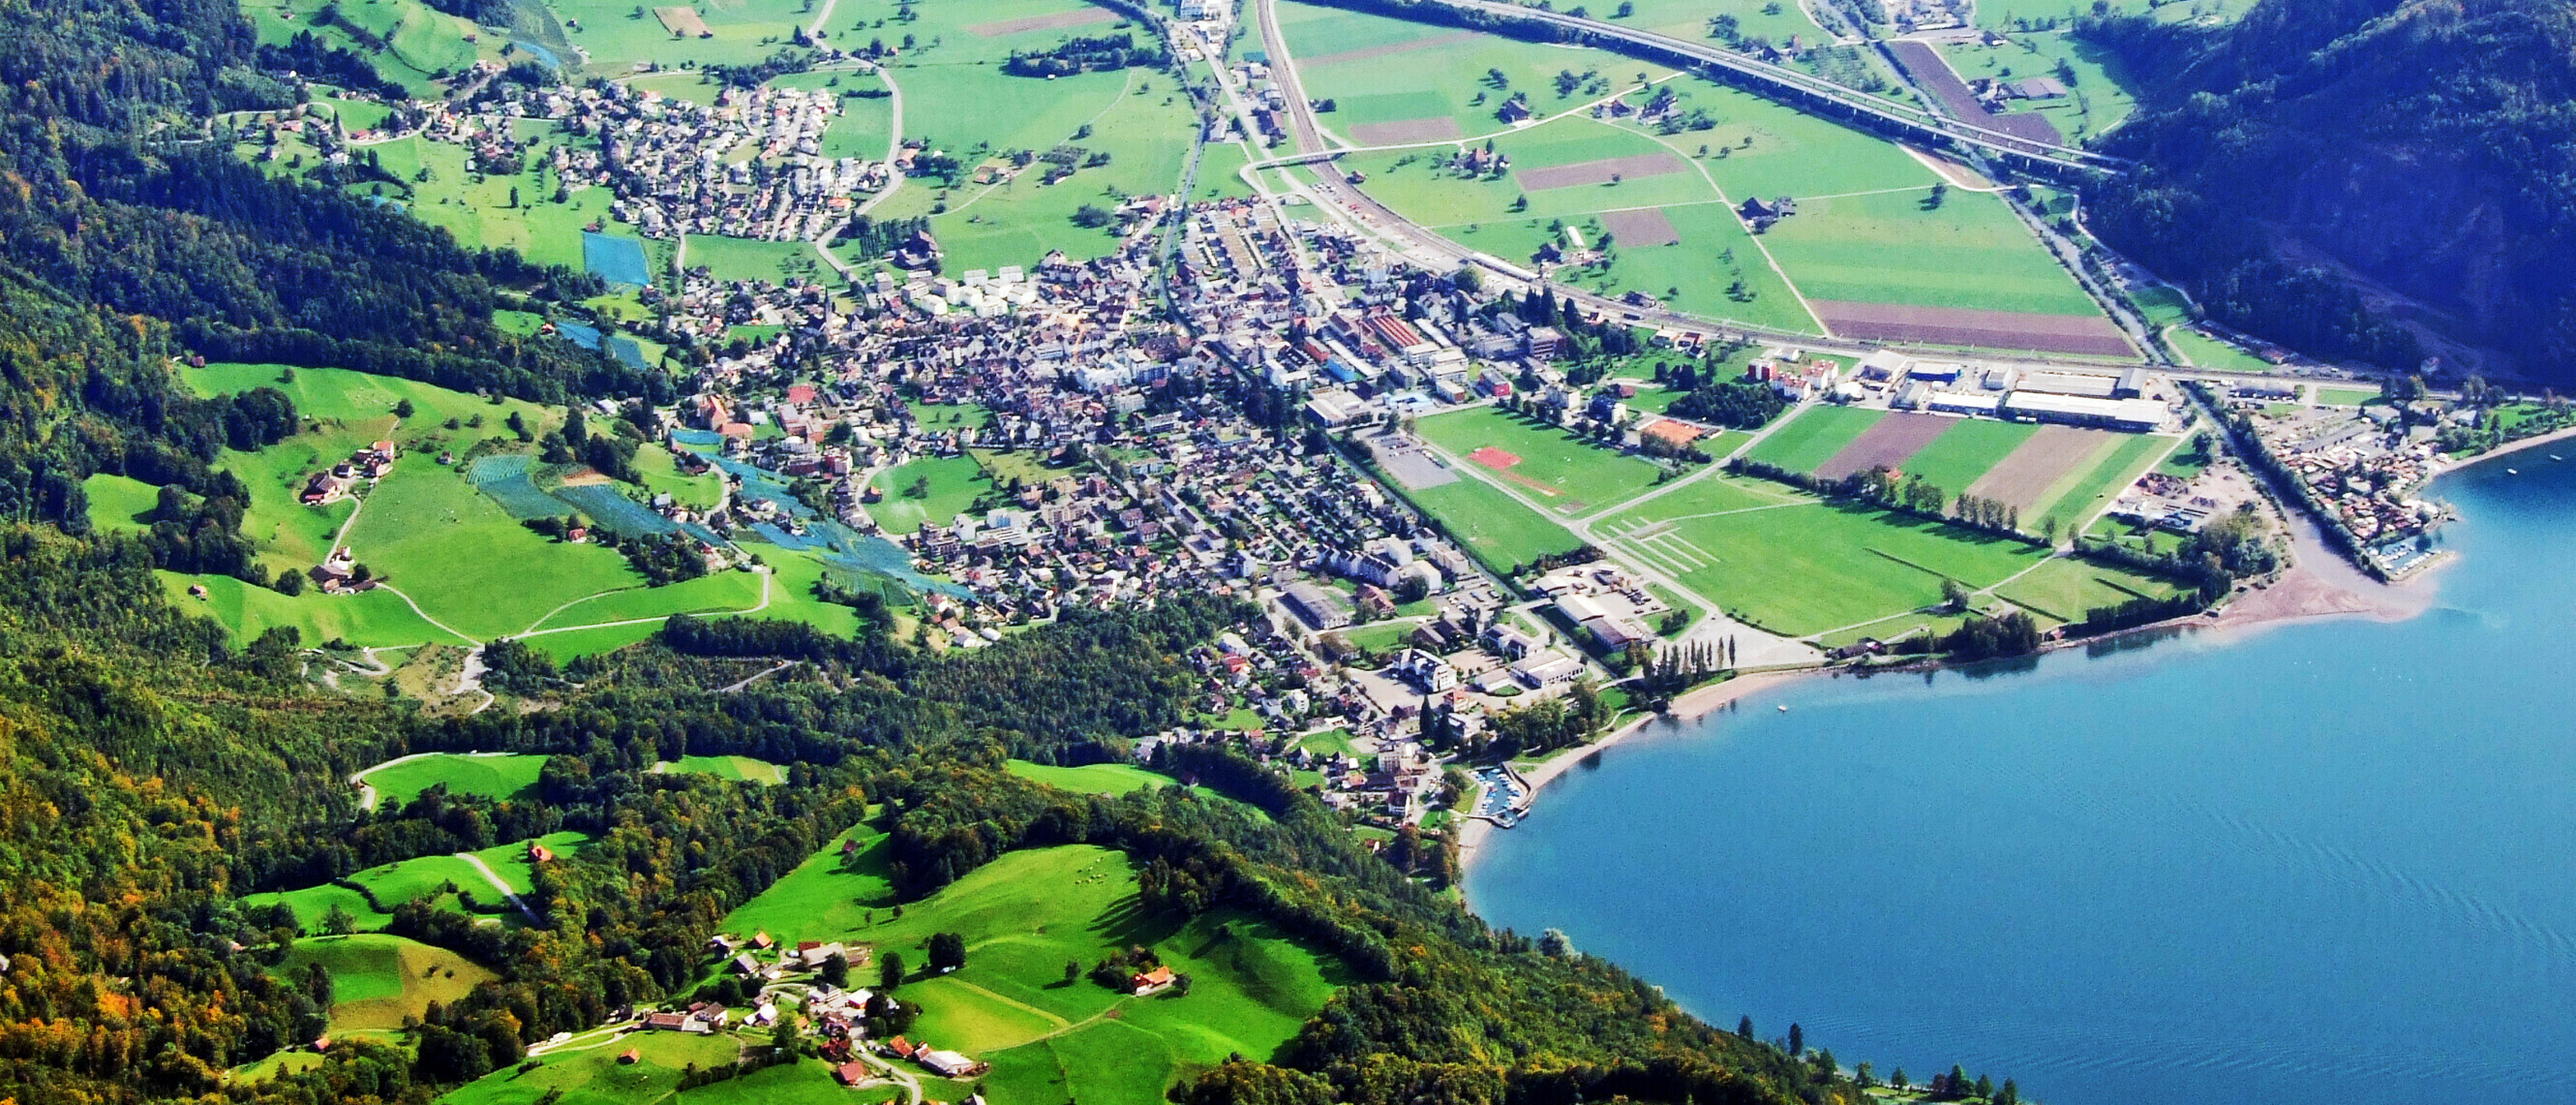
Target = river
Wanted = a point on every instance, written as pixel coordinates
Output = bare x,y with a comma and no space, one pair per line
2316,863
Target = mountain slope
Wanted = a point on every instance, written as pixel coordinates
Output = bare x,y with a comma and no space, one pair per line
2417,157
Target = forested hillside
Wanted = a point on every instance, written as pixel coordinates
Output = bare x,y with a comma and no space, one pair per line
2411,156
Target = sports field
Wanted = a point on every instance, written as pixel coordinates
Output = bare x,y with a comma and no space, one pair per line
377,980
1569,473
1812,567
1495,528
503,776
1023,916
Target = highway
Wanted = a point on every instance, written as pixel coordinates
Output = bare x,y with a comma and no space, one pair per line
1349,205
1802,90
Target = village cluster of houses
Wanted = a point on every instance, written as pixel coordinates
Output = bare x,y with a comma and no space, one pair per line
341,480
2365,478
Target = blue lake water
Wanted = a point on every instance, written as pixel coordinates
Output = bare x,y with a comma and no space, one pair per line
2323,862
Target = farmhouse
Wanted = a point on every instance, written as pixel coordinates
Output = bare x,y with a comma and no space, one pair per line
851,1073
1146,982
949,1064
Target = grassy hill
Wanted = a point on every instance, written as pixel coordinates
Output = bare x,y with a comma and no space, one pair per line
2371,179
377,980
1026,915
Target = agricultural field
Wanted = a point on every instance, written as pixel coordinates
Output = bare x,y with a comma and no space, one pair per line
368,619
1895,247
492,776
2042,472
1815,436
2066,588
2204,351
422,42
1023,917
378,980
947,486
613,37
1569,473
2098,97
744,769
957,98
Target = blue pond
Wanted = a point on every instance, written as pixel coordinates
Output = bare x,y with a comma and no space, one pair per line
614,259
2323,863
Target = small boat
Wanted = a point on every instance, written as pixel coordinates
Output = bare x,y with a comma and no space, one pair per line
1784,707
2556,457
2513,471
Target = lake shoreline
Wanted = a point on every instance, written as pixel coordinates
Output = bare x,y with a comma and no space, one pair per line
2320,583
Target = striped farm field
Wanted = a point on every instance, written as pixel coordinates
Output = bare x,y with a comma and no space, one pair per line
1967,451
2085,491
1890,444
1812,438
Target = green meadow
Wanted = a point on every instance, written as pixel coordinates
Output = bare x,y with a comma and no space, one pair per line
378,980
368,619
1969,252
1568,472
594,1075
947,485
421,41
2098,98
2065,588
615,37
1106,779
719,593
119,502
1024,916
741,769
502,776
1382,70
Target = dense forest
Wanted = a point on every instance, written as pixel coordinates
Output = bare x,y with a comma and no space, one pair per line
2377,179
